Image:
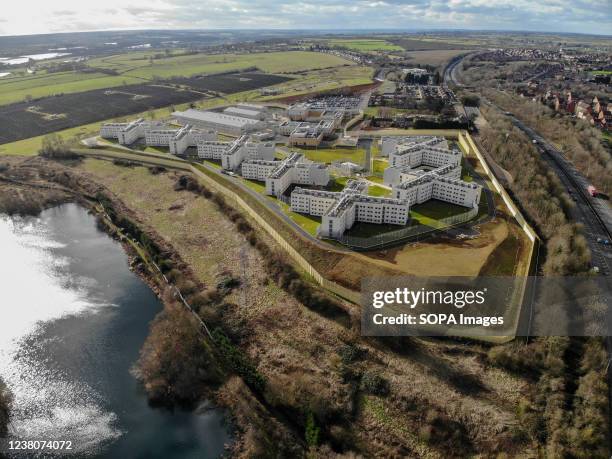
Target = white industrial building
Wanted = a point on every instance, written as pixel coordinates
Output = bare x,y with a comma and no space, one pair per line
232,154
251,113
280,175
156,134
221,122
340,210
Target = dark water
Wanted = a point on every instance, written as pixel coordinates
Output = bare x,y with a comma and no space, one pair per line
72,321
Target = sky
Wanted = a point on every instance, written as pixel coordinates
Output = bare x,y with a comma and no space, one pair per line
24,17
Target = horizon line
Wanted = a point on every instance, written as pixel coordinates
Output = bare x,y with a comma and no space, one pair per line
357,31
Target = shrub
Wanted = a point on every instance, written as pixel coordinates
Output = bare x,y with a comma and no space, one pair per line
54,147
156,170
350,353
237,361
174,365
312,431
374,384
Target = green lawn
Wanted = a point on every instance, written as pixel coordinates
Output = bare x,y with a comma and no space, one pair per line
212,163
375,190
328,155
379,166
309,223
255,185
365,44
338,184
376,179
361,229
433,210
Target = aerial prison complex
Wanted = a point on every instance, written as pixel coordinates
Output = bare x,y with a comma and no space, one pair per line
420,167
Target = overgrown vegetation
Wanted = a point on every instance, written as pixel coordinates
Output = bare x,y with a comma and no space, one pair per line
581,143
55,147
540,192
567,412
6,402
283,273
175,365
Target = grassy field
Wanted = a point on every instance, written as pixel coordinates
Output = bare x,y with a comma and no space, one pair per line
426,44
138,65
17,89
323,80
365,45
338,184
379,166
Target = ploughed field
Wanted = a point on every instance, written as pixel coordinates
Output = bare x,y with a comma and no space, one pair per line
29,119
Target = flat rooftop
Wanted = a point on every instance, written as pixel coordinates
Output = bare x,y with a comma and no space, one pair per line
215,117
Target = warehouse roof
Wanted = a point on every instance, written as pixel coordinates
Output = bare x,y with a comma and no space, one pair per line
215,117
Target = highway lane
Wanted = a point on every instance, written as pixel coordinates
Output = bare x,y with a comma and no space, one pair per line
595,214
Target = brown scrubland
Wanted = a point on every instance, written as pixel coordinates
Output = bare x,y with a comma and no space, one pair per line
289,363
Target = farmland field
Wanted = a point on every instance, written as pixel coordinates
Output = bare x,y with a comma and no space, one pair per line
138,64
365,44
24,120
133,68
324,80
37,86
69,110
429,44
230,83
434,57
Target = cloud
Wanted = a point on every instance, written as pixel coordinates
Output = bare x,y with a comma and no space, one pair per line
31,16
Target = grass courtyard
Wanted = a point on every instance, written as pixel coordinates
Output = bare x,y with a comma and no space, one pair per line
329,155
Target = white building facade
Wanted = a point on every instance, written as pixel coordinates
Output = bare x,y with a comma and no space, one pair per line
232,154
340,210
156,134
280,175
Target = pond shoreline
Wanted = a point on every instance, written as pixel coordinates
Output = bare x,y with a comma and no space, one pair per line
33,194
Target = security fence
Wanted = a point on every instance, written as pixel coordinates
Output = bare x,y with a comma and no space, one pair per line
410,233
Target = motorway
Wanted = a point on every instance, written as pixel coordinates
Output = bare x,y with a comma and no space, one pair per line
594,213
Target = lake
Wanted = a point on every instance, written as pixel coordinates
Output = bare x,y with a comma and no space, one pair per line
73,318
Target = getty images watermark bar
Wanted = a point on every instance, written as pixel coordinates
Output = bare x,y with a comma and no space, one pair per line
486,306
